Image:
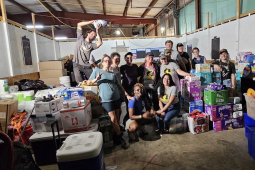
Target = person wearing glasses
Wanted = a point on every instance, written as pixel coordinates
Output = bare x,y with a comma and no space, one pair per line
139,110
198,59
84,47
149,76
109,94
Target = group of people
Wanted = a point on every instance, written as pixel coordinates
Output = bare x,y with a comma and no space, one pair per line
150,91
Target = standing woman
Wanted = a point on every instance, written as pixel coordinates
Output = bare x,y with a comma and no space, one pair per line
115,69
83,48
198,59
149,74
109,94
168,103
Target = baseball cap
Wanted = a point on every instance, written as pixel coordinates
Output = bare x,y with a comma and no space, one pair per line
179,45
167,51
223,50
149,54
162,56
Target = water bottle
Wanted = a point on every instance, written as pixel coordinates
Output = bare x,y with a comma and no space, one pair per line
102,22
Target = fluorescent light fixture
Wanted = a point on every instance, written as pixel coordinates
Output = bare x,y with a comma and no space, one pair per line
162,28
60,38
118,32
36,26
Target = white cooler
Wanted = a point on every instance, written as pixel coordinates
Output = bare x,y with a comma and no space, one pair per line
82,152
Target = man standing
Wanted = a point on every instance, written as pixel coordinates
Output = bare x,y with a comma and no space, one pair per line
227,71
83,48
184,56
175,55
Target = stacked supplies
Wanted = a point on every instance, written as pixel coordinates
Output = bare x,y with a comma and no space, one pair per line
198,122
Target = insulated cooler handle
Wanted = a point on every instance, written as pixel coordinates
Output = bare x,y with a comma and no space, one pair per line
53,133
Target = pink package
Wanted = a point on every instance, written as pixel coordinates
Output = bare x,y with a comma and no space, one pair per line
217,126
192,90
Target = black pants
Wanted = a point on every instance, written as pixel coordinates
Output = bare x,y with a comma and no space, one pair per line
152,97
81,72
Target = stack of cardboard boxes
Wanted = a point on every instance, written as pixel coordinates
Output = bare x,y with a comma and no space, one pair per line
50,71
7,108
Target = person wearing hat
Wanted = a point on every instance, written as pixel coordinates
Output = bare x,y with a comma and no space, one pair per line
149,76
173,69
227,69
185,56
175,55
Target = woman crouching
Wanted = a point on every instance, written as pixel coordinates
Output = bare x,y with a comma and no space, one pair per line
168,103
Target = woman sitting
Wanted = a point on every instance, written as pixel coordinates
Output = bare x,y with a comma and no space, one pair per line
198,59
139,109
109,94
168,103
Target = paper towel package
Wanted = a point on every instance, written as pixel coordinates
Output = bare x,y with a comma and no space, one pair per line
76,119
219,112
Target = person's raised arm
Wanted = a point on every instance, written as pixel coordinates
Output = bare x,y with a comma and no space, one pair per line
99,42
81,24
182,73
126,94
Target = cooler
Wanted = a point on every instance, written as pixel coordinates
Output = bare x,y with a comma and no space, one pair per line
43,144
82,152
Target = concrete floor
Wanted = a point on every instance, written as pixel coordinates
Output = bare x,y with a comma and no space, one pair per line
226,150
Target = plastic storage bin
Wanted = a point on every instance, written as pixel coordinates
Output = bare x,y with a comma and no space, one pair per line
251,140
248,121
42,123
44,147
81,152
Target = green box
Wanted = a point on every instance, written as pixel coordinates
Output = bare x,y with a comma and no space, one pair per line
216,97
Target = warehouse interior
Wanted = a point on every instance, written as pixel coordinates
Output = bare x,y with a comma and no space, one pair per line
127,84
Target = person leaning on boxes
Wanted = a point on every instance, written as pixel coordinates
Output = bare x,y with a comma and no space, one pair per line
227,69
83,48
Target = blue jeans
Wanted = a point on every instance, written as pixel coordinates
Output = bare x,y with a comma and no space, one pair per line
171,112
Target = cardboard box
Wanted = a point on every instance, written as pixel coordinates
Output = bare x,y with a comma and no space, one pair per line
216,77
193,105
46,107
215,97
206,78
91,92
219,112
3,125
51,81
228,124
241,66
77,119
240,58
191,90
190,79
51,65
52,73
199,123
9,105
203,68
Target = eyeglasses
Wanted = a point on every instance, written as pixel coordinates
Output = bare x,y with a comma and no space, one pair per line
107,61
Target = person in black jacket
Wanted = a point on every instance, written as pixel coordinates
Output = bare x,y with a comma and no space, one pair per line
149,73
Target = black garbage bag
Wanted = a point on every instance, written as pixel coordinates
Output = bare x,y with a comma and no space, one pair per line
23,159
26,84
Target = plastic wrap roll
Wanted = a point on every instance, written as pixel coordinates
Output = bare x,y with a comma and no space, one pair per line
14,88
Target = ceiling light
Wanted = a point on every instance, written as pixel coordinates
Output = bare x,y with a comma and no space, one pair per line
162,28
36,26
60,38
118,32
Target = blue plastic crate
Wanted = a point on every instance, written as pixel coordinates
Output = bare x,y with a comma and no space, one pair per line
248,121
251,140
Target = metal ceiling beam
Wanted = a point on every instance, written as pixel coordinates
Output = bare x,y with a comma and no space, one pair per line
20,6
60,7
82,7
126,7
153,2
168,5
103,3
48,6
25,19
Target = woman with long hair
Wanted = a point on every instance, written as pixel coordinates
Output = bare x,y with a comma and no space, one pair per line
109,94
168,103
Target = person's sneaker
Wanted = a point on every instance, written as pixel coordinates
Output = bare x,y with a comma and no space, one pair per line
124,138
